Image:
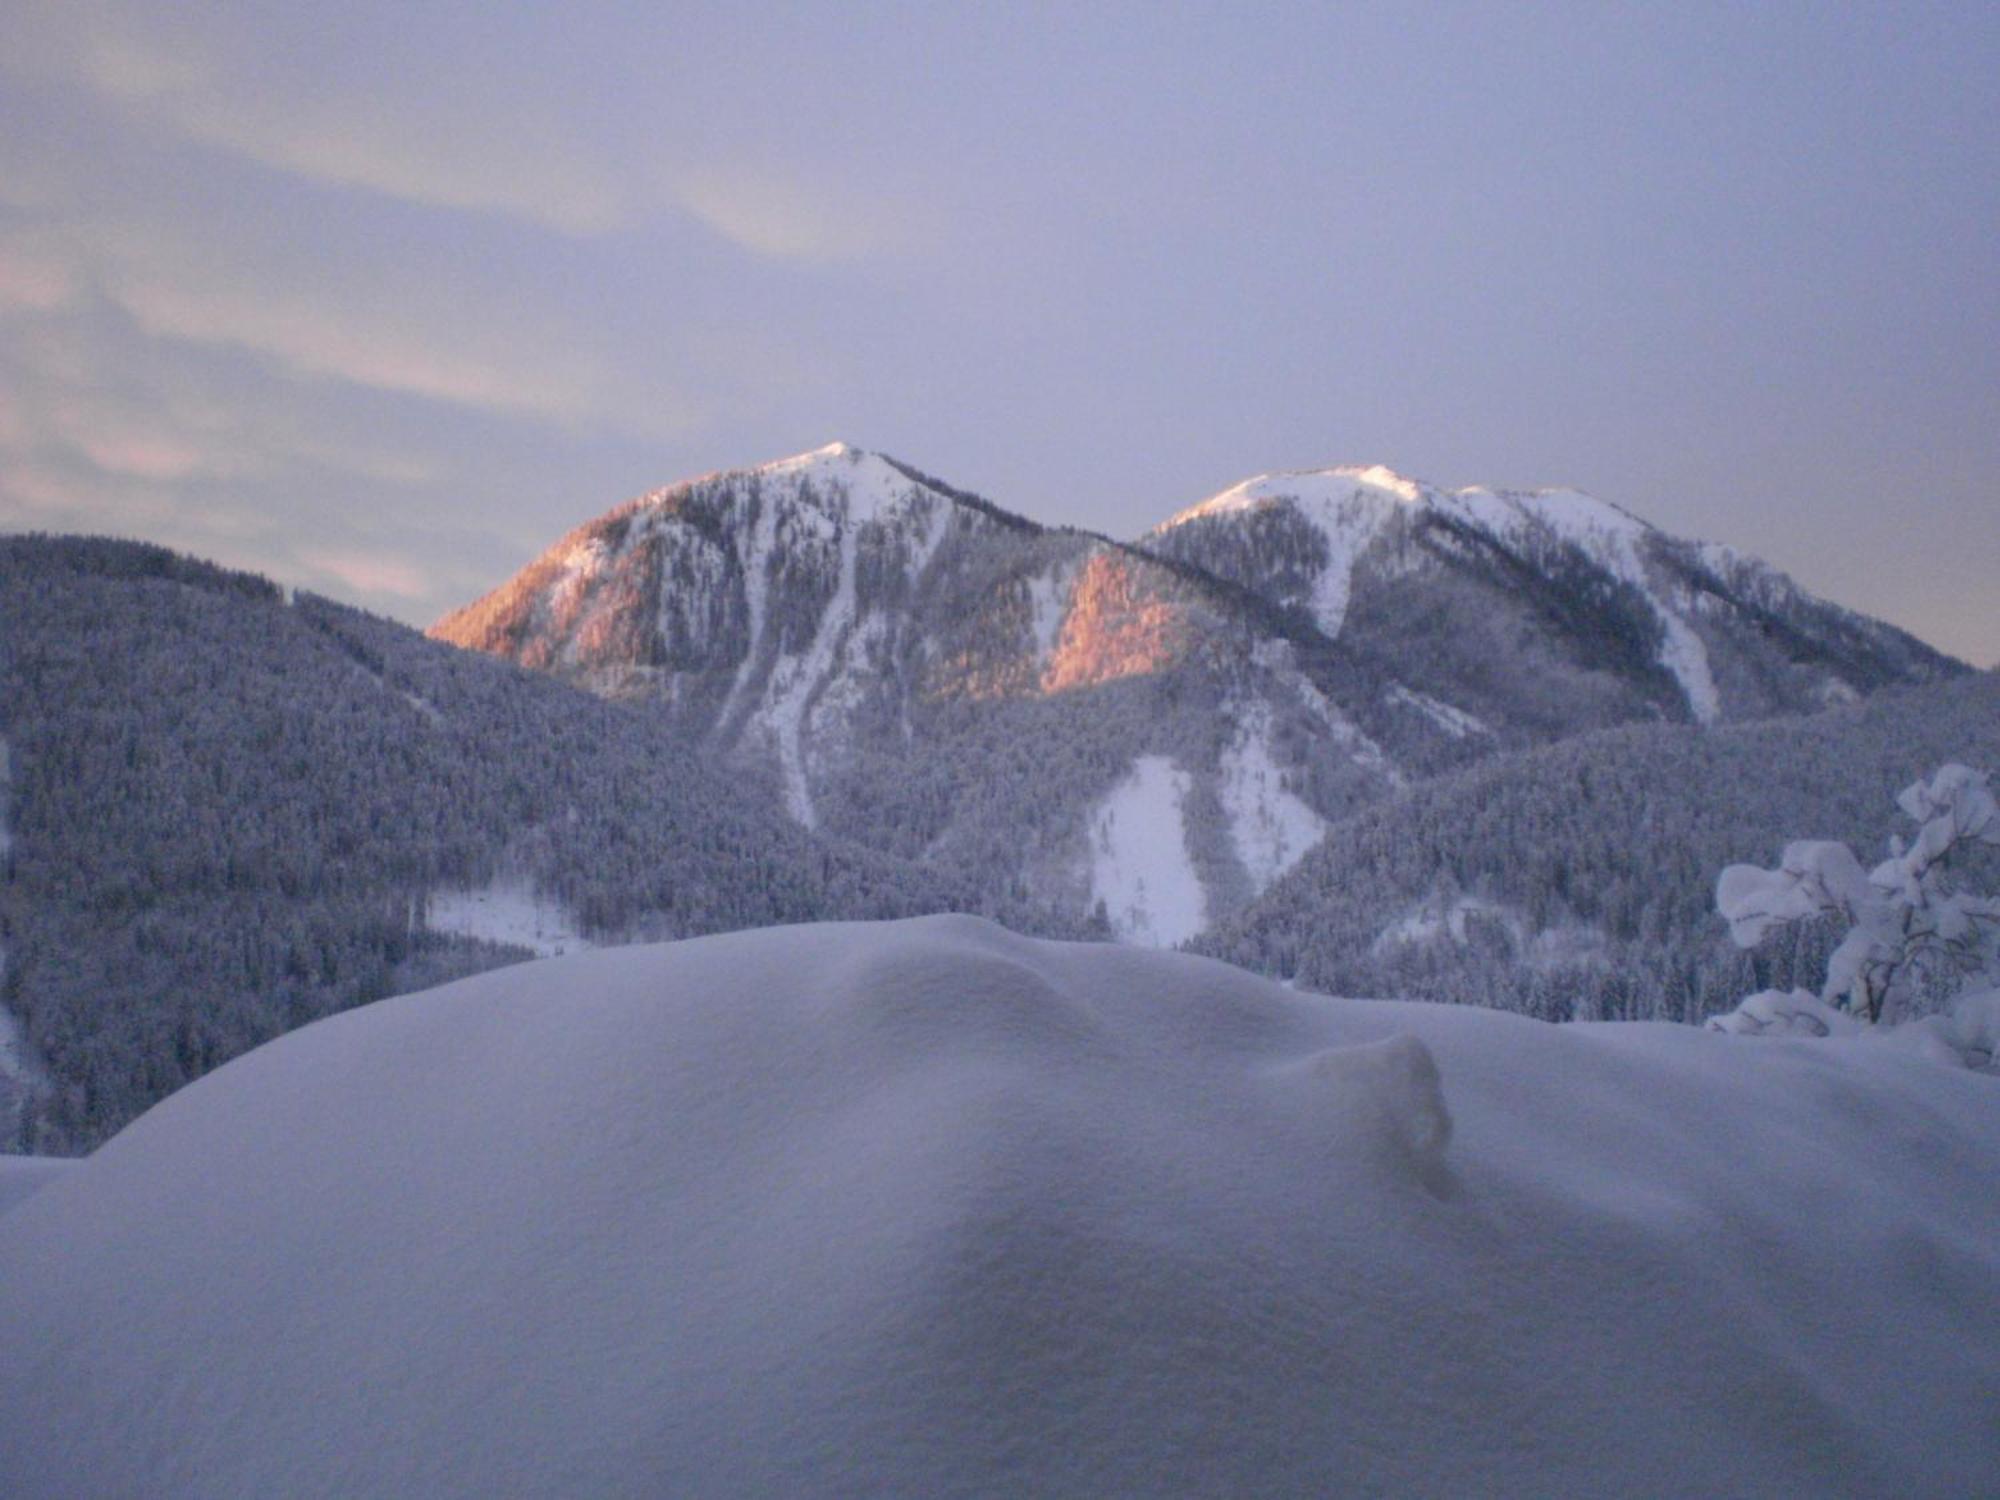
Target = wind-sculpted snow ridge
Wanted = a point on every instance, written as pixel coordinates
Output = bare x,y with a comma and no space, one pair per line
927,1208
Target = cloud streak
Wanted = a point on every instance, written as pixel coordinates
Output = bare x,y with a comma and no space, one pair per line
492,158
32,281
774,215
381,573
473,142
380,351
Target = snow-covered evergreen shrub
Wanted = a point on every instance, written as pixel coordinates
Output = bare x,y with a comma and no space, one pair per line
1910,927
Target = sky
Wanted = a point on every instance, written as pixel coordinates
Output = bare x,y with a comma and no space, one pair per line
382,299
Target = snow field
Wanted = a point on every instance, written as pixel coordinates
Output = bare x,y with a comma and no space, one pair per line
21,1176
1139,864
506,911
1270,827
926,1208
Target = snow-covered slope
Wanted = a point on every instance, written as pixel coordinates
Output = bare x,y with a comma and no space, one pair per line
23,1176
1309,540
1346,509
930,1209
1139,865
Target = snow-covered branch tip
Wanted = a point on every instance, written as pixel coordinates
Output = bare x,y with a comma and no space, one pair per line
1908,923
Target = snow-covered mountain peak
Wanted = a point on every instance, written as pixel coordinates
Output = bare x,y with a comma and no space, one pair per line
1570,514
1309,490
837,479
838,448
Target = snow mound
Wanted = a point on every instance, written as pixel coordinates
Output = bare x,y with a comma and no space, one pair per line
21,1176
1967,1035
927,1208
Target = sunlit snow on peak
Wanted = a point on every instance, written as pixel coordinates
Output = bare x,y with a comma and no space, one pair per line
815,458
1306,488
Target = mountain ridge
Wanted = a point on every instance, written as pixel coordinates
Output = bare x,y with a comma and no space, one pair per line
862,636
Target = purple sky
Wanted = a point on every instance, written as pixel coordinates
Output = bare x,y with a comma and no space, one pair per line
380,299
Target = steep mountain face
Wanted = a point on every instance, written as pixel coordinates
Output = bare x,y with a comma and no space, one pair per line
911,667
1149,735
224,814
788,609
1526,616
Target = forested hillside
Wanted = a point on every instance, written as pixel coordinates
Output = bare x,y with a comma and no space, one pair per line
1579,880
1150,734
228,813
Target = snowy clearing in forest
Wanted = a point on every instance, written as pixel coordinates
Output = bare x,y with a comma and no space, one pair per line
925,1207
512,912
1270,826
1139,864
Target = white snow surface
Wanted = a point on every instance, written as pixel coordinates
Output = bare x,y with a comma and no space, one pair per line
1347,506
1139,864
506,911
869,486
928,1209
21,1176
1270,826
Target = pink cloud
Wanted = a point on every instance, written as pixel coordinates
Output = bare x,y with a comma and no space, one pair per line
369,572
34,281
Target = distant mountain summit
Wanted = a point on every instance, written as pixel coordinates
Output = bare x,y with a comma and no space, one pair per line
1151,733
1687,628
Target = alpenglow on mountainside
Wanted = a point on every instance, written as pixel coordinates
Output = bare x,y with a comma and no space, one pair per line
1152,731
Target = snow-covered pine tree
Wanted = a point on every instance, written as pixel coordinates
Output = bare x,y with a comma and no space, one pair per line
1911,928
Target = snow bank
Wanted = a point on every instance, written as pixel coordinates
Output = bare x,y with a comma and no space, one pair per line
1967,1035
926,1208
21,1176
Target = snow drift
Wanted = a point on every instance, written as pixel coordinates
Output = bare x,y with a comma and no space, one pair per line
927,1208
